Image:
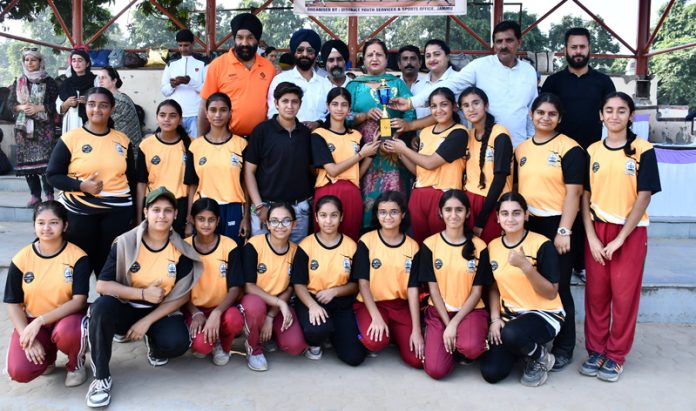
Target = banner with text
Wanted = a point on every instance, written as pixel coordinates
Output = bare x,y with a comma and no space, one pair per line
379,8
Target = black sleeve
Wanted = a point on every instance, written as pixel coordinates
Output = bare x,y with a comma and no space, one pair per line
81,274
515,170
361,263
501,169
547,262
252,152
249,260
549,85
57,169
426,273
234,275
413,275
588,167
573,166
183,267
454,146
142,174
503,155
320,151
130,169
108,272
190,176
648,173
14,294
300,274
484,274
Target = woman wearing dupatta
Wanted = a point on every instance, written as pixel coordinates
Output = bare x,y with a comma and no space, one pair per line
385,173
32,100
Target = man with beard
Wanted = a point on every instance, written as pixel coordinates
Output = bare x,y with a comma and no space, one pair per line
304,45
581,89
241,74
334,54
511,84
409,63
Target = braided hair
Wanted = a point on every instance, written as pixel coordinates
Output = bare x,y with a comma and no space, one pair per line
630,135
490,122
468,249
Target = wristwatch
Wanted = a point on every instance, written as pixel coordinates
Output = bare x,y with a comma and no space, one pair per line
564,231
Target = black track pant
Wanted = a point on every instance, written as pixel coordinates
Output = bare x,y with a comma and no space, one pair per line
168,337
520,336
341,328
34,182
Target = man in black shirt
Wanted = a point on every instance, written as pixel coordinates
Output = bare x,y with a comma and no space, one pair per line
277,163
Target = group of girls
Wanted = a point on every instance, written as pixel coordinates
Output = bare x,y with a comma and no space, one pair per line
500,298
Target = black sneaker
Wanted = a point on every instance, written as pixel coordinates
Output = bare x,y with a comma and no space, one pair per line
592,364
561,362
537,371
610,371
154,361
99,394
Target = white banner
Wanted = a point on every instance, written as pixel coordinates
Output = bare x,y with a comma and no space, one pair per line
379,8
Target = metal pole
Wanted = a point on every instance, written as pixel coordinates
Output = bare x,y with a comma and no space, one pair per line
77,29
210,25
643,81
353,39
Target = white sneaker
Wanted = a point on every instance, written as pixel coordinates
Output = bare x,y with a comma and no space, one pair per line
120,338
77,377
154,361
314,353
255,362
220,357
197,354
99,394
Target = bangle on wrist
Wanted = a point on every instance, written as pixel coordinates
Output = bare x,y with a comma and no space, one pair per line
41,320
197,313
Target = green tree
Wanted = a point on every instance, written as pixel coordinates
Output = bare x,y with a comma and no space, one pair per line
676,71
602,41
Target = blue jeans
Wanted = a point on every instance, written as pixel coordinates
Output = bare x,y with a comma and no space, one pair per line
190,124
303,212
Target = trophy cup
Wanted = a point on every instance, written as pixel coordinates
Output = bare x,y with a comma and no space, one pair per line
384,94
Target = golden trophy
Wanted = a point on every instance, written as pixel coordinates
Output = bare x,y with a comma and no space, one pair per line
384,94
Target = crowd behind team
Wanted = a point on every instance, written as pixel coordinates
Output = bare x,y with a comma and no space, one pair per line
267,204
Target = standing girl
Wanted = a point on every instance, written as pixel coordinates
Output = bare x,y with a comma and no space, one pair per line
526,312
341,162
622,177
125,116
385,266
456,266
94,167
321,278
213,318
549,171
267,261
438,164
214,169
46,292
489,163
72,94
162,161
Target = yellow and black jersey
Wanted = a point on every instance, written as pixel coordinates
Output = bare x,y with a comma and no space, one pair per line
451,145
80,154
166,266
516,292
162,164
219,268
217,169
497,160
320,267
542,171
442,262
390,269
266,268
44,283
331,147
614,180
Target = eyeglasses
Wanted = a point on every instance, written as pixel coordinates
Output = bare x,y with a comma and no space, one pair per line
275,223
391,213
30,49
301,50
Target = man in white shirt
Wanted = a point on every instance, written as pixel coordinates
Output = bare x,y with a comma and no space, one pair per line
304,45
334,54
511,84
183,79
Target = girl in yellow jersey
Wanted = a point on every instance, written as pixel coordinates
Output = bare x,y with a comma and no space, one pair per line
94,167
622,176
162,161
325,291
488,163
340,161
46,292
267,265
549,171
214,169
526,311
213,318
385,266
456,266
438,164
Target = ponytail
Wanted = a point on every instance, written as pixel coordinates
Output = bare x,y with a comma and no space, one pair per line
490,122
468,249
630,138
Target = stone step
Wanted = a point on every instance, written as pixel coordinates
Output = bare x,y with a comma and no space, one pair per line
13,183
13,206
